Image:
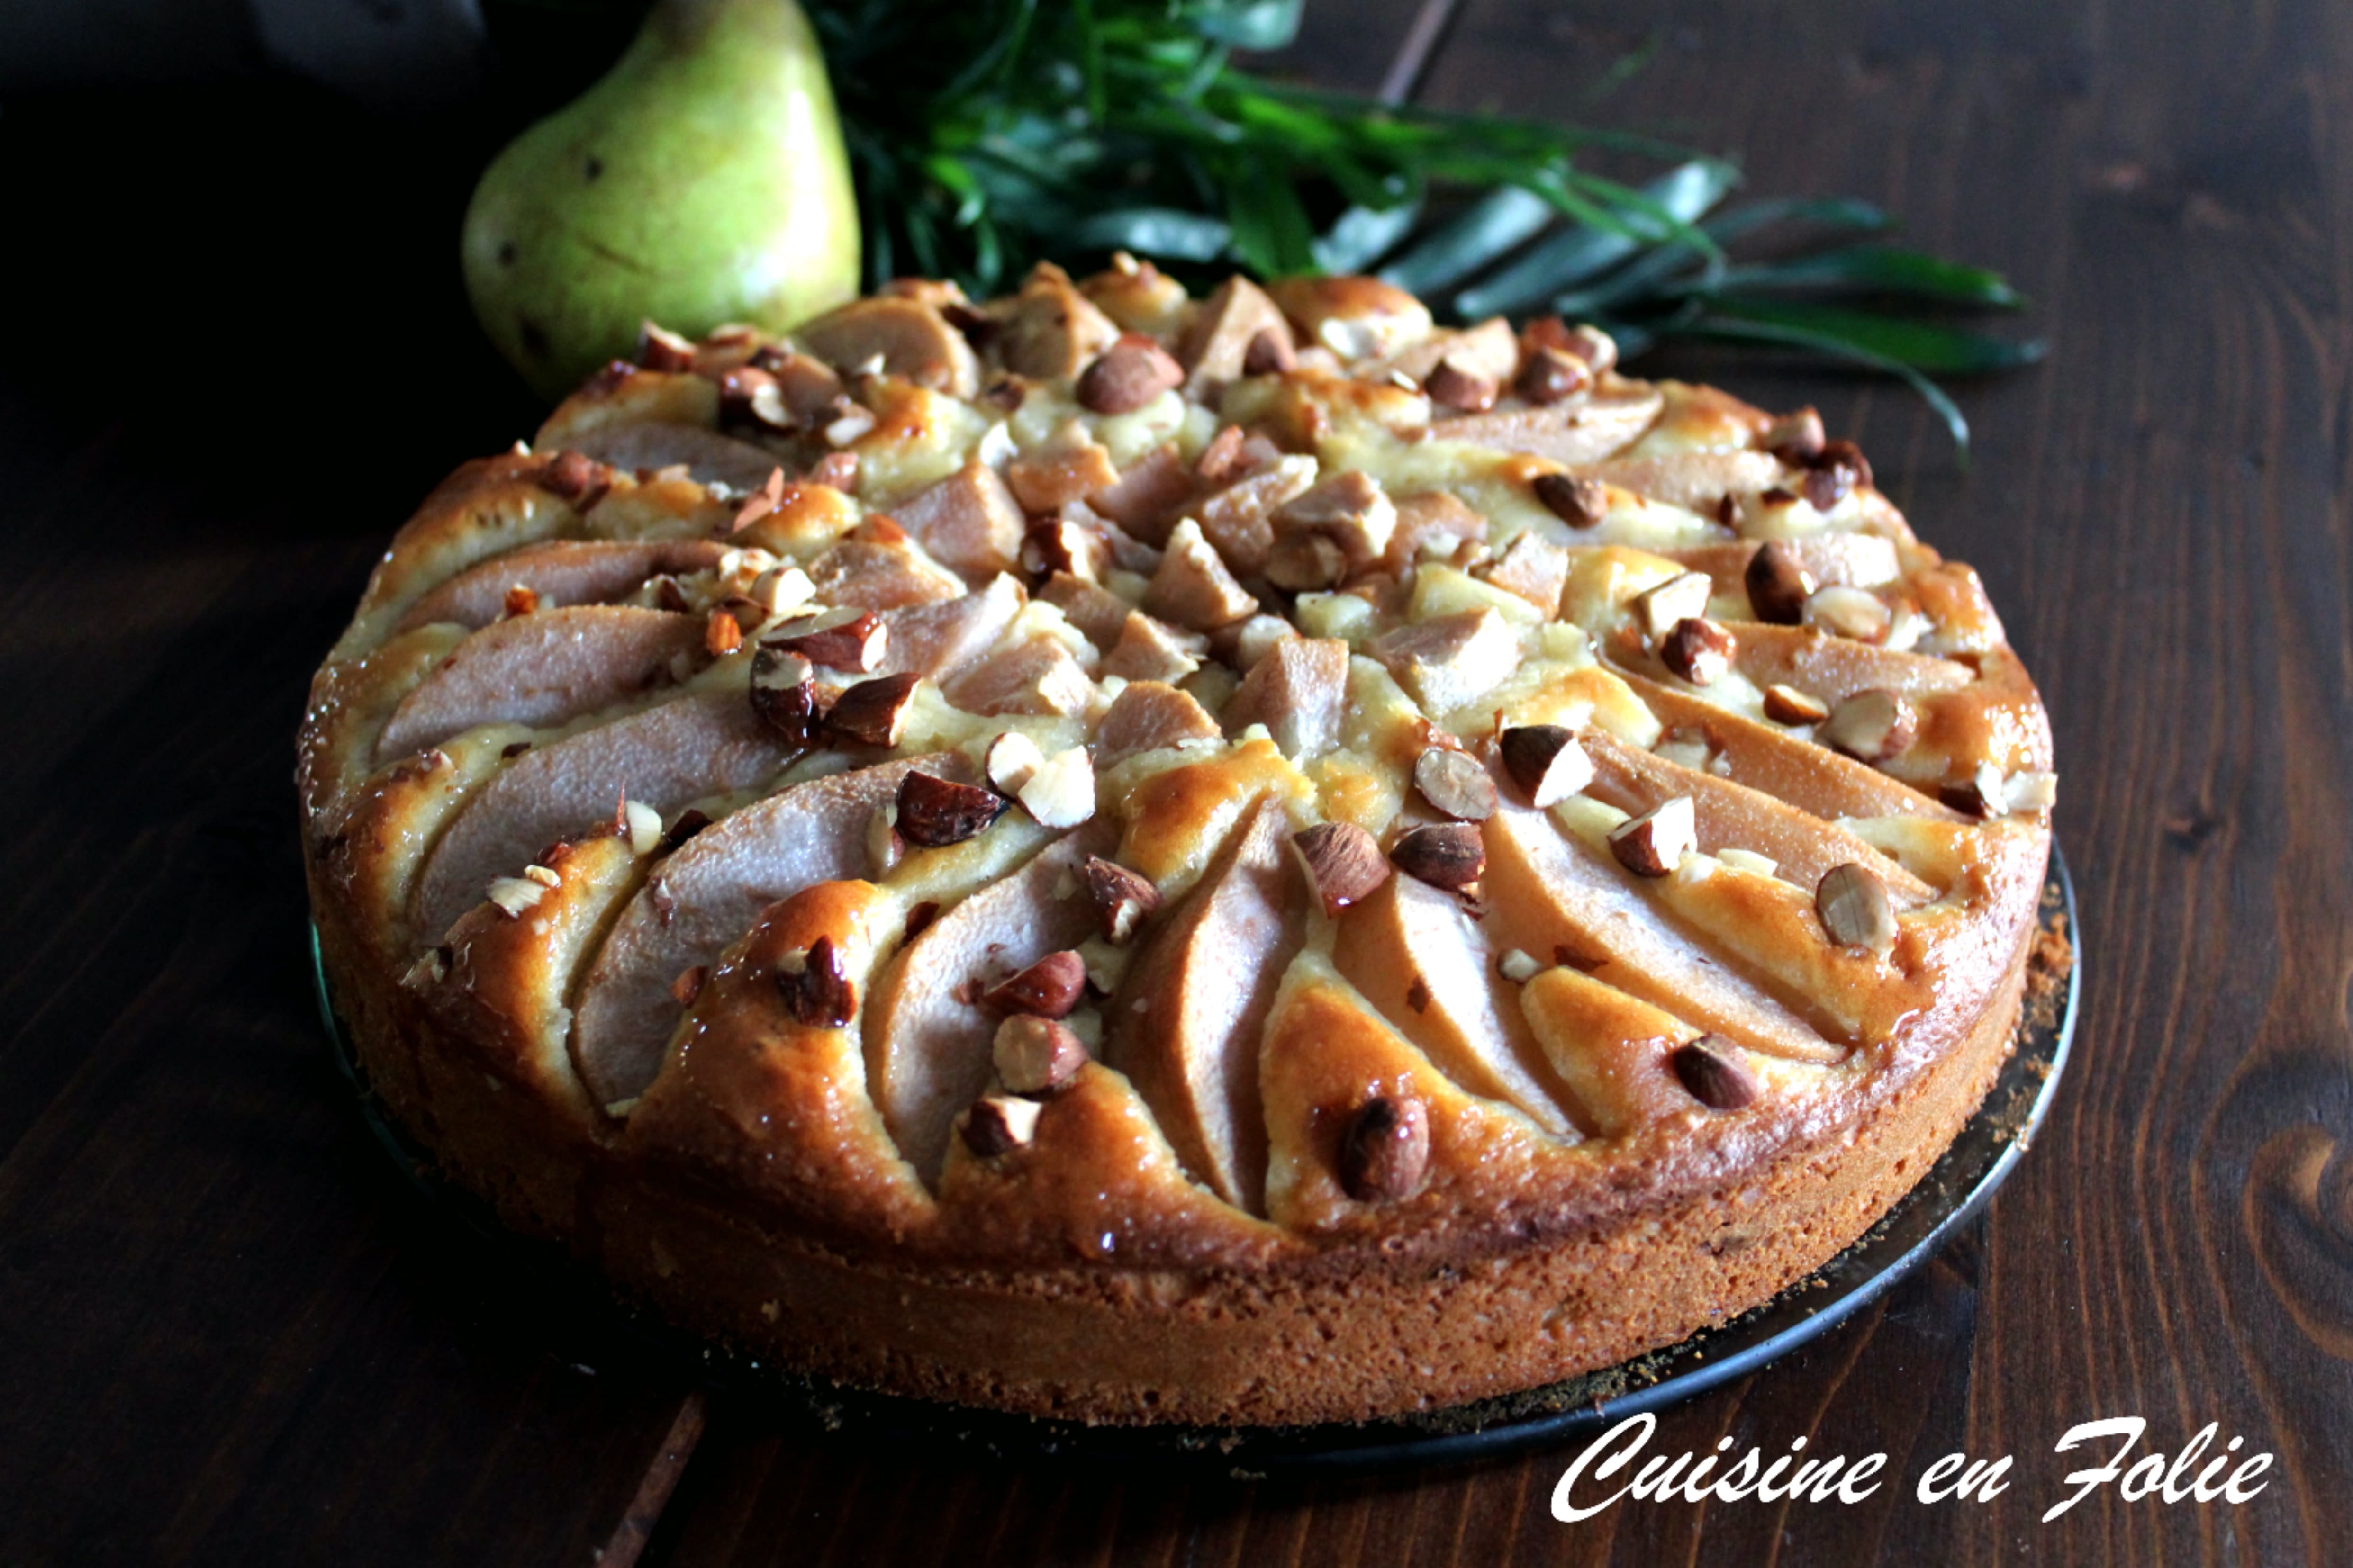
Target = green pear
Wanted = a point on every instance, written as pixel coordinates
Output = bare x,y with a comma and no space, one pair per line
702,180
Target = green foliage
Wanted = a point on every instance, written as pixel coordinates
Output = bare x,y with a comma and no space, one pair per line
989,134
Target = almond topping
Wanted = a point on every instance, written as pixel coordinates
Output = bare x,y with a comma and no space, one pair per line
1547,764
1779,583
1655,843
1982,795
1848,612
578,478
1305,562
1454,783
1455,387
934,812
884,848
641,824
1711,1070
1062,792
1037,1055
874,711
761,502
998,1124
1344,863
2031,791
784,692
1794,437
1548,376
1447,855
1788,705
1855,910
522,600
835,472
658,348
1125,898
689,985
819,994
1871,726
1679,598
1127,375
1518,965
1385,1154
1049,988
1699,650
1013,758
750,396
835,639
1580,503
722,635
514,895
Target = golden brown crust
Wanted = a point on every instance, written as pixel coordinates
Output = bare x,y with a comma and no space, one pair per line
1380,1147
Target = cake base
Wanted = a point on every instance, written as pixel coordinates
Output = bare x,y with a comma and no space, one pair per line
1957,1186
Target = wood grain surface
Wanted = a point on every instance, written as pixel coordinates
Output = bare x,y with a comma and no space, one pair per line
238,354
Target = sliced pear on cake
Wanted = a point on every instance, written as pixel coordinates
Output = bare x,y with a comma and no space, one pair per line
707,893
1554,896
1185,1023
559,571
707,743
545,668
709,457
1419,957
927,1034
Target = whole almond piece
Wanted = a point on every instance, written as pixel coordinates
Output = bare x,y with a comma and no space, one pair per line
1982,795
1454,783
1127,375
1679,598
1011,761
1344,863
873,713
1049,988
1062,792
1448,855
934,812
1037,1055
661,349
1385,1152
1455,387
1777,583
1794,437
784,692
1848,612
818,993
1268,352
1547,764
753,396
1871,726
1711,1070
835,639
1548,375
1854,909
1125,898
1580,503
1788,705
577,477
1655,843
1699,650
998,1124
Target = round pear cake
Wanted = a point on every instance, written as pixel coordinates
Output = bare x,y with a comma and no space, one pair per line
1245,860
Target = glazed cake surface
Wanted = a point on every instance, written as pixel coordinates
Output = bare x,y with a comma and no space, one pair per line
1235,859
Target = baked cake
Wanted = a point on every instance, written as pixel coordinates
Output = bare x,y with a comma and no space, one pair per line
1228,861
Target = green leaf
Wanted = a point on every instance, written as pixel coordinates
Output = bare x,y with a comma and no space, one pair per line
1169,232
1577,253
1836,211
1956,424
1877,268
1478,234
1271,234
1945,351
1362,236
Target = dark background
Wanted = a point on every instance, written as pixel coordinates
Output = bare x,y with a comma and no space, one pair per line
235,354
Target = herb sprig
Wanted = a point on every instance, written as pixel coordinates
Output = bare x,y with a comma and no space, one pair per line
987,134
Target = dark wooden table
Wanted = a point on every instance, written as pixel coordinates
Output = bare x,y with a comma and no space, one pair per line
238,354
